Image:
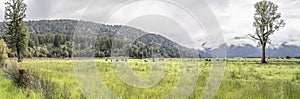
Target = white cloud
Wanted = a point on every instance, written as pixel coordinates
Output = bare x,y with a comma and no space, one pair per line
237,17
234,16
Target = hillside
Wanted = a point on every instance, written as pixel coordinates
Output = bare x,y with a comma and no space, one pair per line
64,38
55,39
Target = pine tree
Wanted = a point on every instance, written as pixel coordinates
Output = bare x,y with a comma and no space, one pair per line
15,29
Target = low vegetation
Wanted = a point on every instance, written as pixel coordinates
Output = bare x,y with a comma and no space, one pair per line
3,53
243,78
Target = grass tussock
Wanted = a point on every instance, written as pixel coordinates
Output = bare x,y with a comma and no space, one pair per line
29,82
21,77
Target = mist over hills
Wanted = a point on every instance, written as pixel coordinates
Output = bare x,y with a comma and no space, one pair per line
127,41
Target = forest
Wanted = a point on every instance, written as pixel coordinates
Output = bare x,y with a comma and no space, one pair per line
67,38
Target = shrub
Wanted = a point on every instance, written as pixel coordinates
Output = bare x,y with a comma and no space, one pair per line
26,80
287,57
21,77
3,53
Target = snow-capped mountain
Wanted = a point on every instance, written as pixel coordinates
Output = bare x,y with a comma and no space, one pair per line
241,48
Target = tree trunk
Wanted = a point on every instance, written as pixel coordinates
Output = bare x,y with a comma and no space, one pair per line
19,55
20,59
263,55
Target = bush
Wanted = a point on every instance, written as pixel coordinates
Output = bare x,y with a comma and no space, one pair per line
3,53
20,77
26,80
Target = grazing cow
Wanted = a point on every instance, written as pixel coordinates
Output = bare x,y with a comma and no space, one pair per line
145,60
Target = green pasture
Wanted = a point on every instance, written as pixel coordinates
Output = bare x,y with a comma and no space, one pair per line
244,78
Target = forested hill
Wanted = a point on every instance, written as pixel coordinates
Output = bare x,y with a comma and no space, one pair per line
59,38
69,27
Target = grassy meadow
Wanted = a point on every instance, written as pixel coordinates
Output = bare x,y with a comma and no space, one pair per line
244,78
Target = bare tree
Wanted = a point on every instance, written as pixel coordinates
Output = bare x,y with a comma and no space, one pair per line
267,21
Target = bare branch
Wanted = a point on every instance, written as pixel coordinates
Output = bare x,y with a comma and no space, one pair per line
253,37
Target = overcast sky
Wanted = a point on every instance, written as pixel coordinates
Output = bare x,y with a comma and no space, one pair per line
234,16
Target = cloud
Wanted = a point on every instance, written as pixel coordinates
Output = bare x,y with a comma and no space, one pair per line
235,16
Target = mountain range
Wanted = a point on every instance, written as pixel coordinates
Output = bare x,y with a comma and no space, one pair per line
248,50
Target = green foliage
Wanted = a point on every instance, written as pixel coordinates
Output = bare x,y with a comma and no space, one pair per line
152,45
15,30
103,47
49,45
56,39
267,21
3,53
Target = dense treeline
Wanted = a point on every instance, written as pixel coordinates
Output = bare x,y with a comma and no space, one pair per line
67,38
49,45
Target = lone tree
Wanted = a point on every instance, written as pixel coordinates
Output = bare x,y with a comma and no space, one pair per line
267,21
15,31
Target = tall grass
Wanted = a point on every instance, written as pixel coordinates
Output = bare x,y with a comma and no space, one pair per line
243,78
